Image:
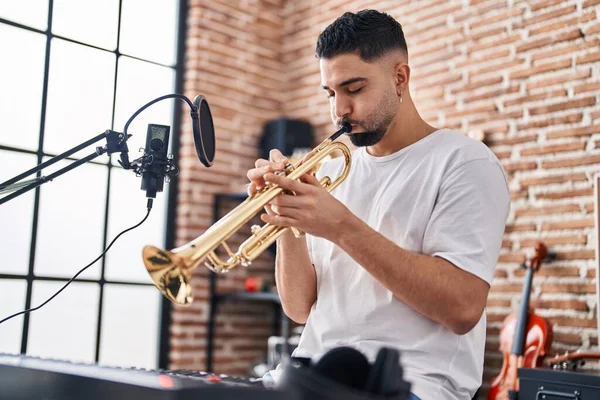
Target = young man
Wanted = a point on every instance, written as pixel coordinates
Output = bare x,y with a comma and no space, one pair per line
402,253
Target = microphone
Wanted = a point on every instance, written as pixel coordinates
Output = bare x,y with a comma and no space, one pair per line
156,163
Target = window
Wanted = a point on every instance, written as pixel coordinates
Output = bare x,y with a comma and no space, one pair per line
72,70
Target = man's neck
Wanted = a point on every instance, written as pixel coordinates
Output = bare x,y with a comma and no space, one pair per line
407,128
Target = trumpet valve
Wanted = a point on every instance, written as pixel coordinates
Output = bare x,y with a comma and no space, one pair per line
254,229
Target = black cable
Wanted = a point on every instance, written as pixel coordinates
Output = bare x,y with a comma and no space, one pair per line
149,206
168,96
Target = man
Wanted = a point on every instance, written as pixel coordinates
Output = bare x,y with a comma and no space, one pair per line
402,253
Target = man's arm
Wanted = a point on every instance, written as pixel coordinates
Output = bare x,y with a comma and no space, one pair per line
431,286
449,282
295,277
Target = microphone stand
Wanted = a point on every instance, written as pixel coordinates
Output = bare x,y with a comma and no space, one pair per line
115,142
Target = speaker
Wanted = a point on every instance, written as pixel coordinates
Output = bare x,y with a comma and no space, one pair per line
343,373
286,135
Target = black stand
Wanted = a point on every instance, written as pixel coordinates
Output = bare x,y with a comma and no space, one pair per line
115,142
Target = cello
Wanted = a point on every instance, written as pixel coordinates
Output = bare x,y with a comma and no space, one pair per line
525,337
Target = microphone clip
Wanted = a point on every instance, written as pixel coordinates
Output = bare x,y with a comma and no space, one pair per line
149,164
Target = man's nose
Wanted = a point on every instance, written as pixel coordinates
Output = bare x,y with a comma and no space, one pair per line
342,108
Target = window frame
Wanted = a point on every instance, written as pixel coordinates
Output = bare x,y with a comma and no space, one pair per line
172,193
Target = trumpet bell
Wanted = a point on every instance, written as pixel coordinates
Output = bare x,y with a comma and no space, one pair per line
169,274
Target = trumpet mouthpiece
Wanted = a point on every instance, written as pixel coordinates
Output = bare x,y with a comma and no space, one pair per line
344,128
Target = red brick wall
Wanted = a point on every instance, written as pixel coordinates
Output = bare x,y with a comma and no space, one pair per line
523,72
233,58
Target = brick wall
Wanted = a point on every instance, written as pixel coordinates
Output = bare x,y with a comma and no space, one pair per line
233,58
525,73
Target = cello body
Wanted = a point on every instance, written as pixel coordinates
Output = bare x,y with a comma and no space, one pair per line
525,337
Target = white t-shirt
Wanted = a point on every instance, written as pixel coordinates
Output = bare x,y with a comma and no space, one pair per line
446,196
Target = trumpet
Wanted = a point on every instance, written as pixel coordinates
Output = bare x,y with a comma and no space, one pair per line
171,271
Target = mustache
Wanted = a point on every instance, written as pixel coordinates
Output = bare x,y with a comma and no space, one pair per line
339,122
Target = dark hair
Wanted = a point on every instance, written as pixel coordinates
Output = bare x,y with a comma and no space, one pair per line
370,32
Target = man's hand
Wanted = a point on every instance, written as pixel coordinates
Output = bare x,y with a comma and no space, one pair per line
312,209
276,162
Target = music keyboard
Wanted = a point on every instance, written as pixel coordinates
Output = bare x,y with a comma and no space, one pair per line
32,378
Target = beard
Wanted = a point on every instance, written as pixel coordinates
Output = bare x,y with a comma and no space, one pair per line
375,125
367,138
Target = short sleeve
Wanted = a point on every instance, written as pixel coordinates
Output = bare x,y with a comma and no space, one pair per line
468,220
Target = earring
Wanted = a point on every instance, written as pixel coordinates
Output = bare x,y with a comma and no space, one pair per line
400,97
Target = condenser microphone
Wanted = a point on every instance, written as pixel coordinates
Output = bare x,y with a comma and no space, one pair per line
156,163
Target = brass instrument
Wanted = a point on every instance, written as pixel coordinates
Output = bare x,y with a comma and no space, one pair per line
171,270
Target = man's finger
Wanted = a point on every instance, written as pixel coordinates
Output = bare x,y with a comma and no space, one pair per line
310,179
278,220
287,201
276,156
261,162
285,183
251,189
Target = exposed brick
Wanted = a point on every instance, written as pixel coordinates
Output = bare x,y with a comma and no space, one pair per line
543,54
506,288
571,162
520,228
492,317
574,132
536,97
551,179
500,273
576,255
588,58
479,84
590,3
503,154
498,303
518,194
574,322
577,305
550,15
520,166
559,79
575,288
591,273
556,148
587,87
546,67
568,338
589,208
511,257
571,224
512,140
564,119
507,39
552,26
565,105
547,210
538,5
567,194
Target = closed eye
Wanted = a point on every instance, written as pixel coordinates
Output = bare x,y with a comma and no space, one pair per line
355,91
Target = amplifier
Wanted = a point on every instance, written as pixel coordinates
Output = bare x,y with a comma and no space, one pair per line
550,384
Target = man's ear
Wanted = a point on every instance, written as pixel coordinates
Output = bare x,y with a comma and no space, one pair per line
402,76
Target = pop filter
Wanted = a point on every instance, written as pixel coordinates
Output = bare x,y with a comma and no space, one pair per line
204,132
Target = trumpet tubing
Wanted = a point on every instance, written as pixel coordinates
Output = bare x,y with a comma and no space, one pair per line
171,270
